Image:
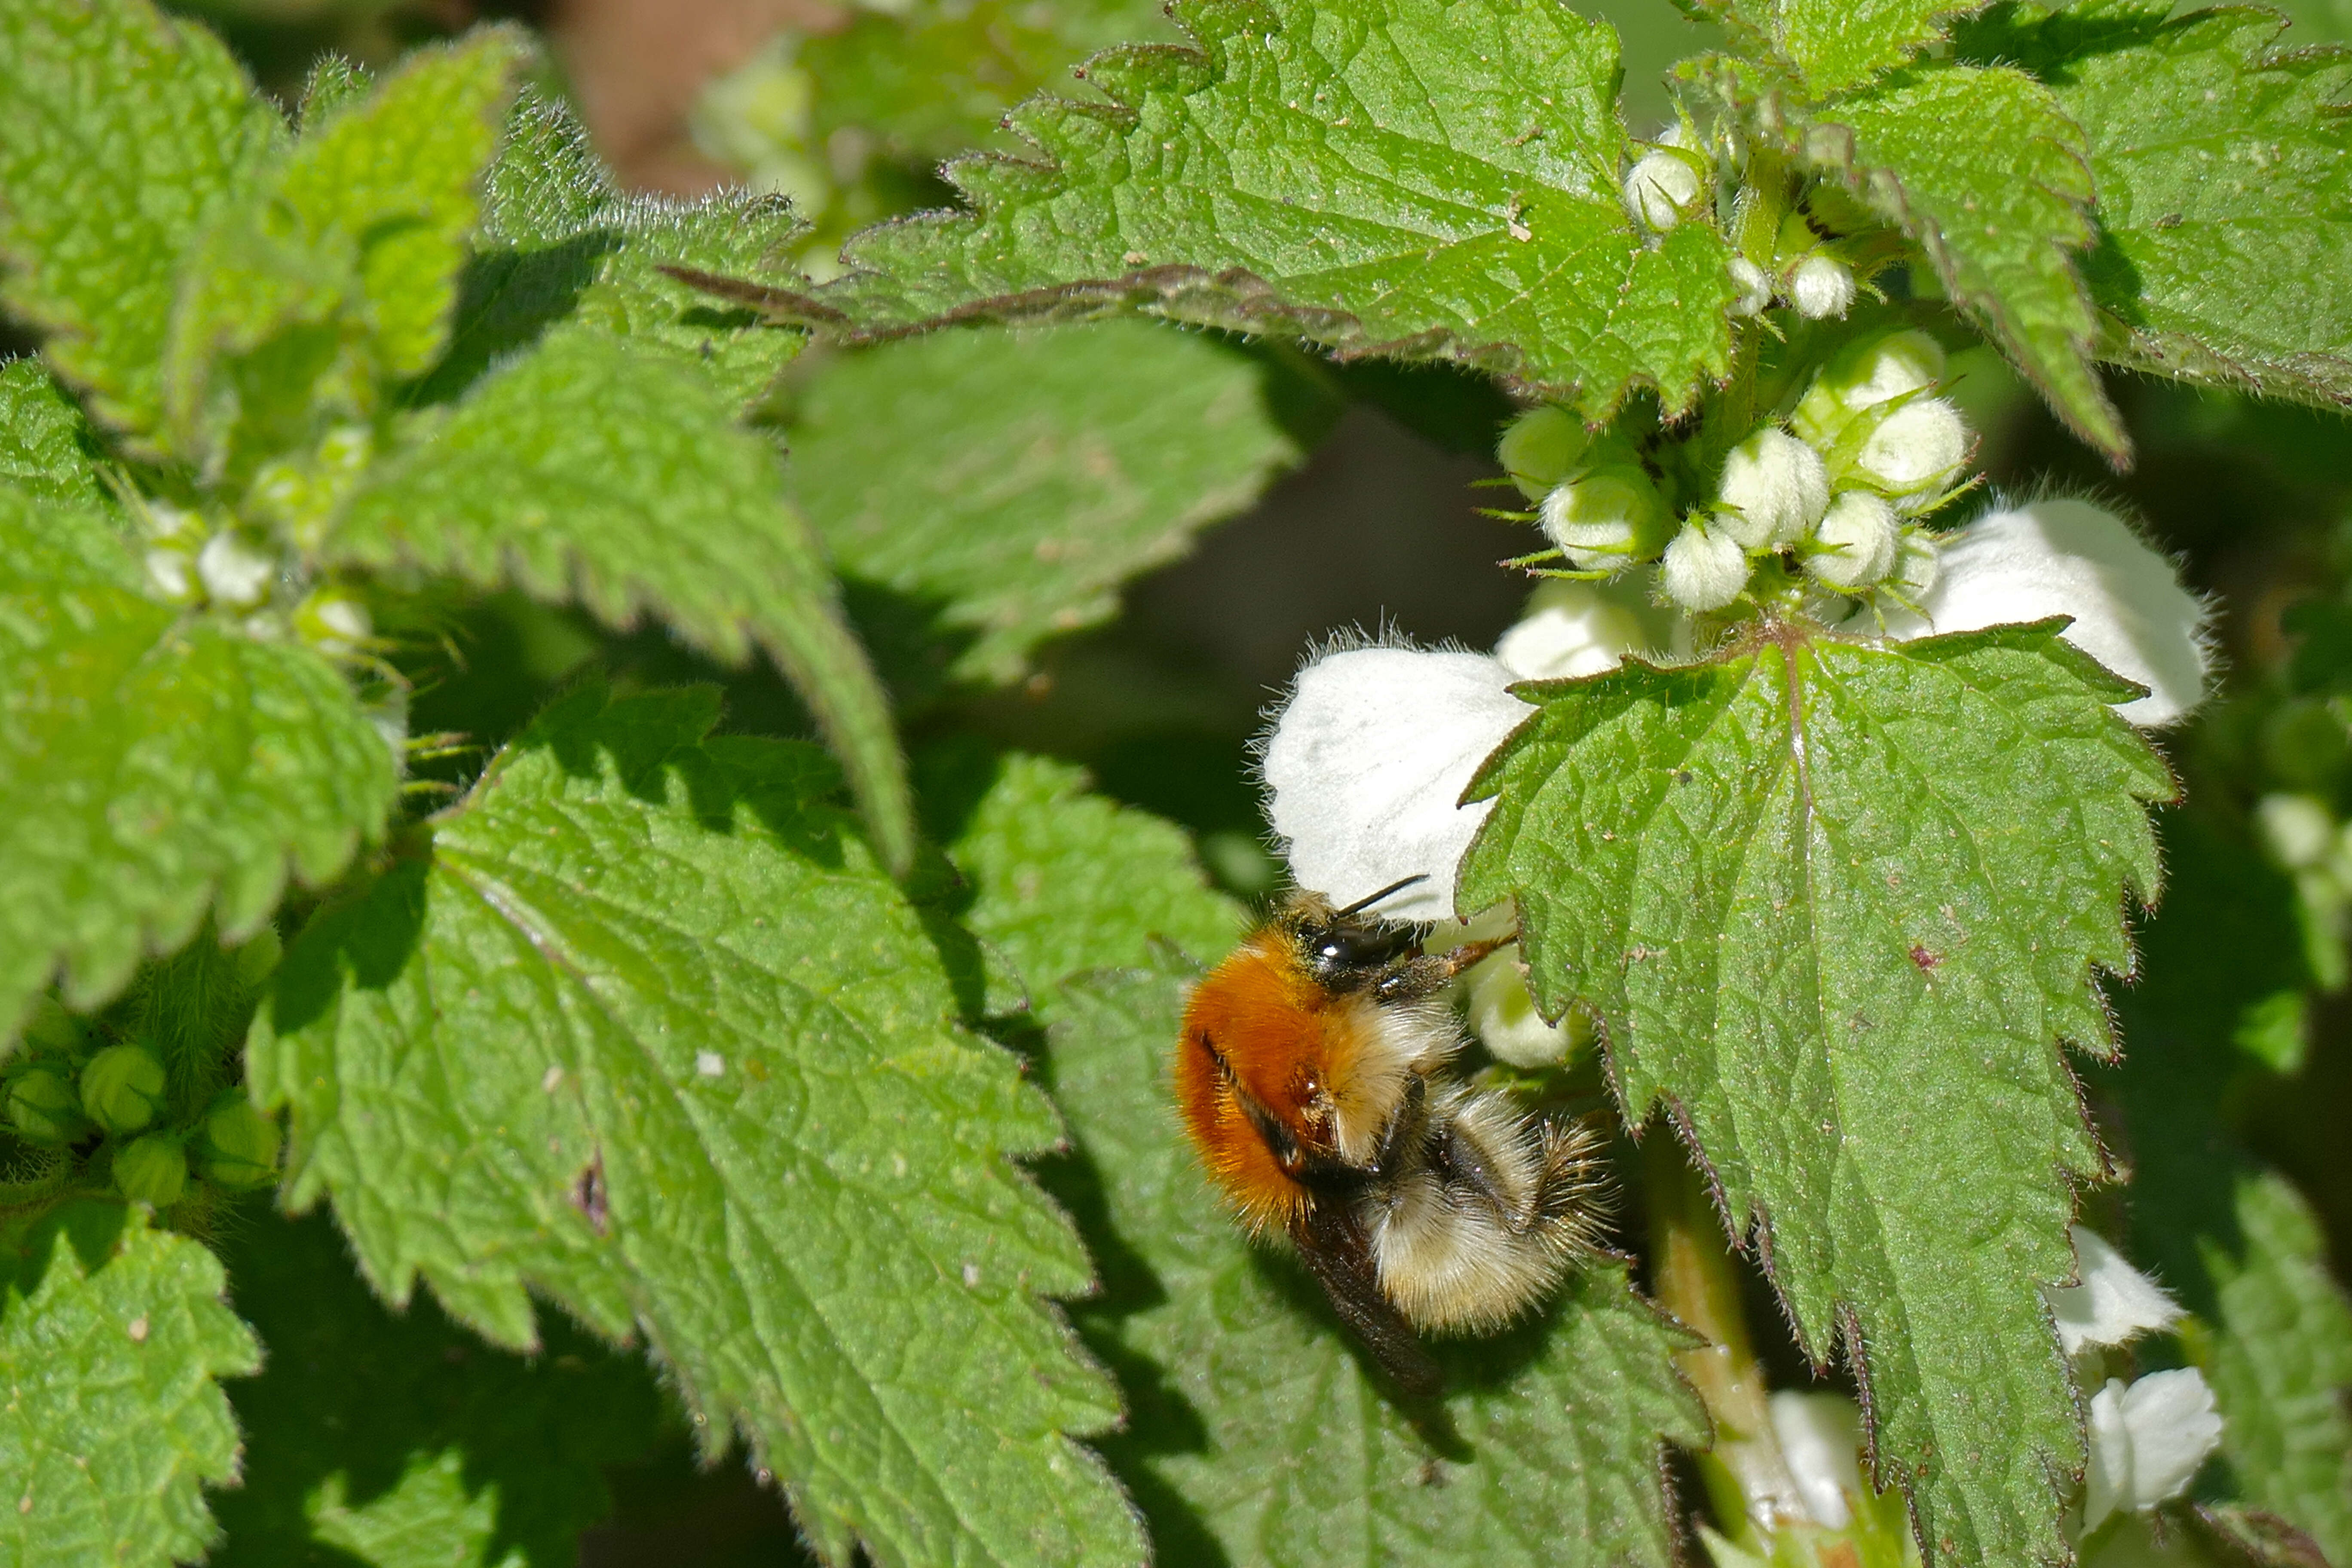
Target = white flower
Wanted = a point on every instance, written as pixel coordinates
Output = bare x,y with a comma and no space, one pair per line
1368,761
1661,188
1609,518
234,572
1570,629
2113,1302
1859,537
2298,829
1819,1435
1916,450
1774,488
1822,287
1703,569
2063,557
2147,1442
1541,448
1755,287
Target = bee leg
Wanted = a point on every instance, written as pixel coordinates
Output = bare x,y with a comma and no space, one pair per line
1333,1246
1406,1127
1425,974
1472,1164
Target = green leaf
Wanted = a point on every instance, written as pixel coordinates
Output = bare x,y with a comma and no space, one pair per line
2281,1364
599,468
1261,1435
112,1337
1416,178
399,1438
987,490
1830,46
340,272
644,1029
153,766
2224,168
1836,905
44,444
127,135
2001,233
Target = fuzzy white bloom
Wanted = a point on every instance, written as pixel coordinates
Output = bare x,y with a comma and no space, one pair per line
1755,287
1609,518
2065,557
1503,1015
2114,1302
2147,1442
1661,188
1821,1435
1368,761
1859,537
1916,450
1774,488
1703,569
2298,829
1542,448
1822,287
1570,629
235,572
1890,367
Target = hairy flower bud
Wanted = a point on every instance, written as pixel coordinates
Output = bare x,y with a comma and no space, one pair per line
172,573
1914,452
44,1109
237,1148
1541,448
152,1170
1703,569
1503,1015
2298,830
1822,287
1755,287
1661,188
1774,488
1858,538
1881,370
1610,518
235,572
1918,566
334,621
122,1088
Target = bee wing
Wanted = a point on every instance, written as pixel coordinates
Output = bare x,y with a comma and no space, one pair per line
1336,1252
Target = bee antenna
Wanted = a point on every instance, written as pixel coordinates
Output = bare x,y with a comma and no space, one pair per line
1368,900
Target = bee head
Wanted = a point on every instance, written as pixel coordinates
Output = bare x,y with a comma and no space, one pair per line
1345,950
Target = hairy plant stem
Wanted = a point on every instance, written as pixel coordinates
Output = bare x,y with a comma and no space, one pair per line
1749,1482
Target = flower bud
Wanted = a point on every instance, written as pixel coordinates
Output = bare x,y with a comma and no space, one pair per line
172,573
1541,448
51,1027
1880,370
235,572
1918,566
1661,189
1857,542
1916,452
334,620
1503,1015
1822,287
1774,488
237,1149
122,1088
1612,517
1703,569
44,1109
2297,830
152,1170
1755,287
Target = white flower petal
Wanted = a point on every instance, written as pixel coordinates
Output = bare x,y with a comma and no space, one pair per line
2114,1303
1819,1435
2147,1442
1572,629
2065,557
1367,760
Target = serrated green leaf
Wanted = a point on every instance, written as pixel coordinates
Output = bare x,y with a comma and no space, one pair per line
1419,178
1836,905
601,469
2224,168
1261,1435
153,766
399,1438
42,436
340,272
1830,46
2001,233
646,1031
127,135
112,1337
986,491
559,243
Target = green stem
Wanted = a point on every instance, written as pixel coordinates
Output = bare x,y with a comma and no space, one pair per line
1748,1477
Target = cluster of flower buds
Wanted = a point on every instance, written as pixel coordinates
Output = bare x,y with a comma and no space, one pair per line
1797,266
229,567
70,1085
1872,450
